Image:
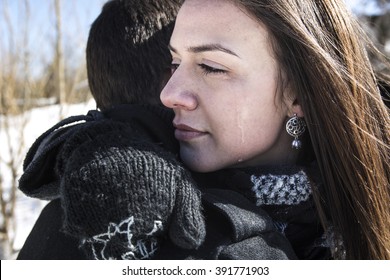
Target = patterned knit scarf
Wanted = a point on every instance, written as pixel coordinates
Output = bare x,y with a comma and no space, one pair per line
271,186
281,189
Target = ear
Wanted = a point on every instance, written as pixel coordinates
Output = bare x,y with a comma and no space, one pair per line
294,107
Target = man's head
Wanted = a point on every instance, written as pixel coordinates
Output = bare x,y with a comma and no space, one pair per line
127,56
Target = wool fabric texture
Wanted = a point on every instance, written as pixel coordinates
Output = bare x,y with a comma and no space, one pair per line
119,194
272,189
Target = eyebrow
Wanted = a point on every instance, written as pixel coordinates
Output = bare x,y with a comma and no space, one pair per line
206,48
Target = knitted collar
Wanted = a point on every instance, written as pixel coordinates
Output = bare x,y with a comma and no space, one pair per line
284,189
267,186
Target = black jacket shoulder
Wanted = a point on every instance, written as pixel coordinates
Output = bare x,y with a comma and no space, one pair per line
46,241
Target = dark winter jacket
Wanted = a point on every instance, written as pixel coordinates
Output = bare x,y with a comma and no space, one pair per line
237,225
119,183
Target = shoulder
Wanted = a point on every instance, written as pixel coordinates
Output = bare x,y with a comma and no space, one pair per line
115,144
91,138
47,241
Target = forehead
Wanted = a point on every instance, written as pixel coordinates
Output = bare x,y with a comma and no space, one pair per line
216,21
210,11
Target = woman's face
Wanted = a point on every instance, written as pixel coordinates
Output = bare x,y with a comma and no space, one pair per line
223,89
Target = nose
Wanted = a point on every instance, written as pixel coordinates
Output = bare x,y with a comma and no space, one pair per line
178,92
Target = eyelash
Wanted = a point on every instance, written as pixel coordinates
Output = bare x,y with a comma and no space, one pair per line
174,66
205,68
211,70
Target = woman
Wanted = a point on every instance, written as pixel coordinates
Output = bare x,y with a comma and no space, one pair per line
264,85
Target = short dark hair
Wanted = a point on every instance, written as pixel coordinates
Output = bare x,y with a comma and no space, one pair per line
127,51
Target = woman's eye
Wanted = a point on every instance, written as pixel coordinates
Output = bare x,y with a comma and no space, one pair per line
211,70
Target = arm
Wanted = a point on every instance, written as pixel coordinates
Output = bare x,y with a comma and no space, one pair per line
120,195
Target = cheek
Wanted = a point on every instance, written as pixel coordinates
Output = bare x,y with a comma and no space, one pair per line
252,132
251,128
244,123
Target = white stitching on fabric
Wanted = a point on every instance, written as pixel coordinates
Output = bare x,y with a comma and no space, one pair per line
281,189
142,249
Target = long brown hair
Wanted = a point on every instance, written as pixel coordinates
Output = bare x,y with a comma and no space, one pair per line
322,53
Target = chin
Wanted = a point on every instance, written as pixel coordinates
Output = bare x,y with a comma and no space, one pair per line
200,166
195,166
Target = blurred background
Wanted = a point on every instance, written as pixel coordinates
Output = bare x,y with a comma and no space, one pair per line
43,79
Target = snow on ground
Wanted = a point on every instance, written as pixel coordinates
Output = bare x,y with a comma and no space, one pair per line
38,121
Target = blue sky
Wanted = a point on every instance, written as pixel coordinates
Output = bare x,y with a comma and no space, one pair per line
77,16
365,6
75,13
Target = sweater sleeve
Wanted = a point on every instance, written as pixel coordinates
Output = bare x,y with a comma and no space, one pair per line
121,195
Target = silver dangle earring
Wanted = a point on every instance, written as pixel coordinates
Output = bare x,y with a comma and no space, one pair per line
295,127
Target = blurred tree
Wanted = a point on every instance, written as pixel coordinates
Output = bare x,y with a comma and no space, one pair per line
21,89
14,87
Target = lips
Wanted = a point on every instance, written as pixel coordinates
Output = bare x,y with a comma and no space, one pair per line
186,133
